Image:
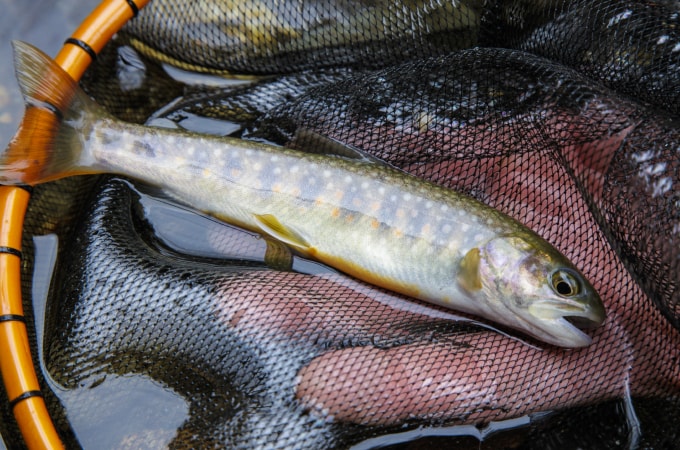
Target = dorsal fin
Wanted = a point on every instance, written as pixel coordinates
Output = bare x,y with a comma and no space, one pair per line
310,141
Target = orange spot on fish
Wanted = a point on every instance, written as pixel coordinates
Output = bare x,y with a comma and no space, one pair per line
375,206
375,224
349,218
339,195
277,188
335,212
398,233
319,201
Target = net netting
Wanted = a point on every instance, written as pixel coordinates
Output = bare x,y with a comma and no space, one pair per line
164,328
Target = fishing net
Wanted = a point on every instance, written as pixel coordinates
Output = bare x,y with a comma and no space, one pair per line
165,328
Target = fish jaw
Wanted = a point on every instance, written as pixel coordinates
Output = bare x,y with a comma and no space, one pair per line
521,279
567,319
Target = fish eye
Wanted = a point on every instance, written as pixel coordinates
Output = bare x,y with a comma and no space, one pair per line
565,283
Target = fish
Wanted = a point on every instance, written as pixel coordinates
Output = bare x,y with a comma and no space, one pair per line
346,210
233,37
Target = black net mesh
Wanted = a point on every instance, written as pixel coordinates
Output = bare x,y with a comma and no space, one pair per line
163,328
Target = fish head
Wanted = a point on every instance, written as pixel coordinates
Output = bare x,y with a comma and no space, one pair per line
538,290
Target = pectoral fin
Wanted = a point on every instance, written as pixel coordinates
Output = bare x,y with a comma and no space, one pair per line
271,226
469,276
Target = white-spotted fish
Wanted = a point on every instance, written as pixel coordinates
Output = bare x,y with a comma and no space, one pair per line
362,217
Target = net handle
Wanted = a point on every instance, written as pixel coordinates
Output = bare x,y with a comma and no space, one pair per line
16,363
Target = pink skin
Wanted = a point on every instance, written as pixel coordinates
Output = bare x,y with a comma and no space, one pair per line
494,376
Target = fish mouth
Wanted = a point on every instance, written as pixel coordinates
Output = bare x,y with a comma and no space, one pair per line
565,320
583,323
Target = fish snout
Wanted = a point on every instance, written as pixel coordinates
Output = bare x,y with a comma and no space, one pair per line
566,318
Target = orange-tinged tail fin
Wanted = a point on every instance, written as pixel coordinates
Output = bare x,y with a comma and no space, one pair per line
59,115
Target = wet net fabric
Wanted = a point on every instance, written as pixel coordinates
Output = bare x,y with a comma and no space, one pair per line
560,114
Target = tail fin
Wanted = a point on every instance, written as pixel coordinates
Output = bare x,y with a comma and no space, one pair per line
50,141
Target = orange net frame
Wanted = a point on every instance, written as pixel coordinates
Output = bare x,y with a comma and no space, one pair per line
16,364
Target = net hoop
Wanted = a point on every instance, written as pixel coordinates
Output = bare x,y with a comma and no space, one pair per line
16,363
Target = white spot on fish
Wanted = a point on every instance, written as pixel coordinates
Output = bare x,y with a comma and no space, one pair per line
257,166
217,152
364,185
644,156
249,152
277,170
327,173
619,17
407,197
446,228
348,179
461,213
489,222
428,204
676,48
662,186
274,158
656,169
381,190
465,227
294,169
444,208
478,237
662,39
170,140
191,151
